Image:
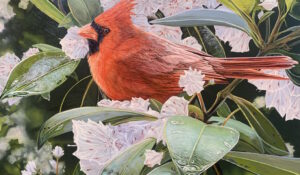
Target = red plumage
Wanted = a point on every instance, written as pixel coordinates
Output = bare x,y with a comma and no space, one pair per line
133,63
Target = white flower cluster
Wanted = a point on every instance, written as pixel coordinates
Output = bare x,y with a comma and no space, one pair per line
6,13
192,81
281,94
269,4
97,144
75,46
7,63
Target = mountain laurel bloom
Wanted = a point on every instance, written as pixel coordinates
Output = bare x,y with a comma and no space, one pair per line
153,158
58,152
7,63
6,13
30,52
281,94
175,106
192,81
74,45
30,169
269,4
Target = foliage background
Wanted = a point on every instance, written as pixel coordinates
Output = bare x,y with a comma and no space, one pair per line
31,26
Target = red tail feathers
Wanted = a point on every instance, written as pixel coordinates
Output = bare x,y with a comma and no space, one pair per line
251,67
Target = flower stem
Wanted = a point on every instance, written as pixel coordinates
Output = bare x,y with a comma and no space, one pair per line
57,160
200,98
229,116
221,97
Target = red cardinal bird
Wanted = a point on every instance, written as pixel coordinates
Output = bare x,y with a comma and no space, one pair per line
127,62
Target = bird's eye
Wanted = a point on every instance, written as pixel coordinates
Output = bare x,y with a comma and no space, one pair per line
106,31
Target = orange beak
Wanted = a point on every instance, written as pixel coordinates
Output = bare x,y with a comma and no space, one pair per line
88,32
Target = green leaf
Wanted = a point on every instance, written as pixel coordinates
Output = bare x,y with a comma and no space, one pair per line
47,48
195,146
224,110
68,21
62,122
130,161
205,17
39,74
84,11
155,105
166,169
49,9
264,164
294,12
208,40
249,140
260,123
245,6
46,96
77,170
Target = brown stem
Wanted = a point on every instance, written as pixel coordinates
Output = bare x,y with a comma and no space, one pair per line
229,116
200,98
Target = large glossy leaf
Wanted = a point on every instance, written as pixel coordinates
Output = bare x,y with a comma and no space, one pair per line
209,42
249,140
264,164
84,11
195,146
260,123
131,161
62,122
49,9
165,169
204,17
39,74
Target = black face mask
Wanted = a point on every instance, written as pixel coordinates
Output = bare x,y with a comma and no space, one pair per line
102,32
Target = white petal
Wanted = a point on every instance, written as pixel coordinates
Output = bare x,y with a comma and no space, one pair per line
75,46
192,81
269,4
58,152
153,158
175,106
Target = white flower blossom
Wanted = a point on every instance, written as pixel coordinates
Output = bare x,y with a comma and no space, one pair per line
153,158
30,52
23,4
30,169
75,46
291,149
6,13
192,42
58,152
281,94
18,133
192,81
175,106
259,102
269,4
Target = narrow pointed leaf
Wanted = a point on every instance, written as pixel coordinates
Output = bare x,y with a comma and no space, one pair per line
224,110
264,164
47,48
84,11
49,9
260,123
62,122
205,17
195,146
130,161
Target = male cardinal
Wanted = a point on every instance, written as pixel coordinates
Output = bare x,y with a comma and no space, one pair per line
127,62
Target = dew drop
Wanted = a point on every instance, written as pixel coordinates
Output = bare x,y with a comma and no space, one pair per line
227,144
177,122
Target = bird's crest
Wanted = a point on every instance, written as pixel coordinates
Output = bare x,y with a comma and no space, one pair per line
121,12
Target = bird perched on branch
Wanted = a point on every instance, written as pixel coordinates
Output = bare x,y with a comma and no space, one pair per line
127,62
